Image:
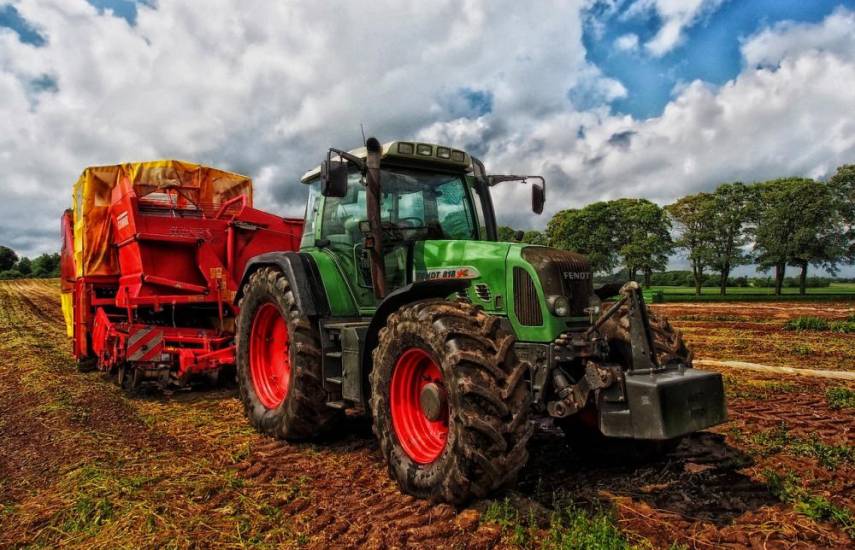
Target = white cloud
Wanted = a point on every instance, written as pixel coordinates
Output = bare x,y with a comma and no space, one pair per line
835,34
793,118
627,42
260,87
676,16
263,88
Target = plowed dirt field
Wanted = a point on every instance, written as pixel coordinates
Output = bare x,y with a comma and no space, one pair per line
83,465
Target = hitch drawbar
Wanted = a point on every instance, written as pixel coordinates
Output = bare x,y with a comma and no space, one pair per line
657,401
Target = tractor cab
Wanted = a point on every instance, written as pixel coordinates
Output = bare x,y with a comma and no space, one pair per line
428,193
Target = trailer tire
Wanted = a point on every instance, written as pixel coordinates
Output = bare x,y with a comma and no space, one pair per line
484,405
301,412
87,364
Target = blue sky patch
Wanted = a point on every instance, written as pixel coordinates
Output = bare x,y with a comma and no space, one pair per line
709,50
11,19
126,9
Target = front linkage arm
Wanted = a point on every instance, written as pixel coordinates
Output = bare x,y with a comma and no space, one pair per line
573,396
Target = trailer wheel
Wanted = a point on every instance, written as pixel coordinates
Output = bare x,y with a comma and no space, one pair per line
87,364
450,401
129,378
279,362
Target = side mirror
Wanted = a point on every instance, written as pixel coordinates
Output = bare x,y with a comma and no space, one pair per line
538,198
334,178
518,235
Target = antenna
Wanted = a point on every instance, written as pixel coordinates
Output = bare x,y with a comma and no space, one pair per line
362,129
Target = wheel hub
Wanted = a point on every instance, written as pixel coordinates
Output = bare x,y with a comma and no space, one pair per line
269,362
419,405
434,401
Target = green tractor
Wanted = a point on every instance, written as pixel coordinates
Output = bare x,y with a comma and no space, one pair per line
402,304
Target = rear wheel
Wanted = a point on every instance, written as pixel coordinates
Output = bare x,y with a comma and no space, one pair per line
449,401
279,361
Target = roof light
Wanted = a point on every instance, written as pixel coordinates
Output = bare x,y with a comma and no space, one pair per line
405,148
458,156
424,149
443,152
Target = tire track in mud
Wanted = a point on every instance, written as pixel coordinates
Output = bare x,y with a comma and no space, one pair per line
348,499
54,419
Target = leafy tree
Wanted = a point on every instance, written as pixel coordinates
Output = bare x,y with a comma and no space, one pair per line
800,222
732,207
693,216
7,258
506,234
589,231
535,237
46,265
644,235
819,236
842,185
633,233
532,236
24,266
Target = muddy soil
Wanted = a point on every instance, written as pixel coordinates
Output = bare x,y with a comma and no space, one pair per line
83,465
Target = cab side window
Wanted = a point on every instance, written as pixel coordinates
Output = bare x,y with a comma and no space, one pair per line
311,215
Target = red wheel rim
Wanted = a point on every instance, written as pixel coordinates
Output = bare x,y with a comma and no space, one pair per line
269,363
421,438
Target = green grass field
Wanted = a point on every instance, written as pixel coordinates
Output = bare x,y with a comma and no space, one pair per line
836,291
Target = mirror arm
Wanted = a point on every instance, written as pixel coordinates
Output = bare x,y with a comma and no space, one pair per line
350,158
502,178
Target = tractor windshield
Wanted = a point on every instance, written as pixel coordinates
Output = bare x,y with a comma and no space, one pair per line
416,206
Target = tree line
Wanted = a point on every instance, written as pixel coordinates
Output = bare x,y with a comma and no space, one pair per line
41,267
798,222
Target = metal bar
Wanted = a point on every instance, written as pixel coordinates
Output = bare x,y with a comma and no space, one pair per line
606,316
163,281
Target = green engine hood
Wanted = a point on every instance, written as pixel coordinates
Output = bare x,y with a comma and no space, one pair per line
481,262
512,280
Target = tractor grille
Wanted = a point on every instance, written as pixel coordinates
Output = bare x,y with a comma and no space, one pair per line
577,290
526,304
562,273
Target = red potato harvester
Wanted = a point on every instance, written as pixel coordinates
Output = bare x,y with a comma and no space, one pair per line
152,256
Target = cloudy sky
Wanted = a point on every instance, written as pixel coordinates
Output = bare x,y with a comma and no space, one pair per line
649,98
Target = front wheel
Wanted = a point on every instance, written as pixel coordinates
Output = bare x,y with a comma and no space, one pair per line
279,362
450,401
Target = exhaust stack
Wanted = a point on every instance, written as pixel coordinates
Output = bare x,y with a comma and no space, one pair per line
374,244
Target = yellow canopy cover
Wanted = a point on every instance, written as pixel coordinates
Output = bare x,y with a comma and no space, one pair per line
204,187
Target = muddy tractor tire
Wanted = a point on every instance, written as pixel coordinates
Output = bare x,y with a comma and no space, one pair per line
279,362
450,402
582,430
668,341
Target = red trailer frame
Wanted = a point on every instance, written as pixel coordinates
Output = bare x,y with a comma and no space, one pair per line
160,305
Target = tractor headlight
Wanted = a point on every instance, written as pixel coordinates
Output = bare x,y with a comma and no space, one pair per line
559,305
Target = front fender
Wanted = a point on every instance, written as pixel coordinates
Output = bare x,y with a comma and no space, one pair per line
419,290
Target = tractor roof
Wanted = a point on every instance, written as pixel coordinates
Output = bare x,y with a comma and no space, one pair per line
411,152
